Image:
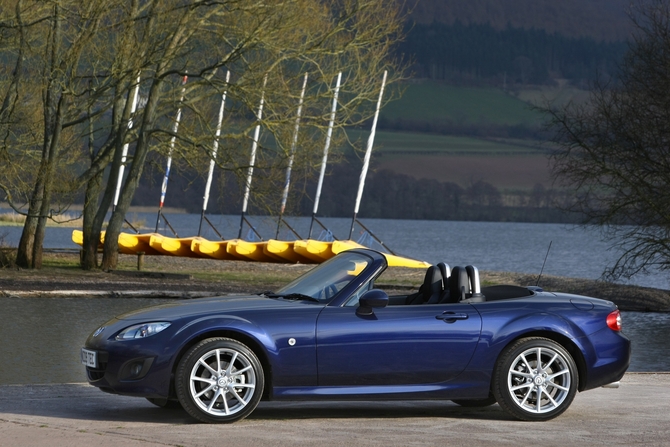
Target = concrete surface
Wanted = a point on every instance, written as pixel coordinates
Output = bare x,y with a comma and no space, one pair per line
637,413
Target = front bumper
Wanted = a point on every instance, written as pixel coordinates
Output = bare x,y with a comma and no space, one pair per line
144,375
139,367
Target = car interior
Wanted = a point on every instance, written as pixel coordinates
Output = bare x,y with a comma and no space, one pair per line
442,285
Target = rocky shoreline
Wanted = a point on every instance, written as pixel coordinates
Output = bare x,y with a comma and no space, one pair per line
192,277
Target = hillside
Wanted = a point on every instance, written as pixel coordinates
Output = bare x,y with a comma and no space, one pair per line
599,19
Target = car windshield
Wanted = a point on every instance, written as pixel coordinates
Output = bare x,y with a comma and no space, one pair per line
326,280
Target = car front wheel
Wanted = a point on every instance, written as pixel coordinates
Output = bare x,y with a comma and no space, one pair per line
535,379
219,380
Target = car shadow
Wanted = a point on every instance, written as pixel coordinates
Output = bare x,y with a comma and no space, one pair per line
83,402
374,410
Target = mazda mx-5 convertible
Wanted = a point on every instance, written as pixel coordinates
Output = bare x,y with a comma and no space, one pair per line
331,335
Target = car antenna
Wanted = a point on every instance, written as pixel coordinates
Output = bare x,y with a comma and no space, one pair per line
537,284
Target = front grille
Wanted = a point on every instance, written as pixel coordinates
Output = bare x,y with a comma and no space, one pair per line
99,372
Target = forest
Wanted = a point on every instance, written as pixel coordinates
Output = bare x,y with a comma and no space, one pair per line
388,195
479,53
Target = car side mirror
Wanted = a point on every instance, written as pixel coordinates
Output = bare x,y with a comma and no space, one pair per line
371,299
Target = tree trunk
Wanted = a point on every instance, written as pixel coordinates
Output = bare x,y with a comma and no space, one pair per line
52,145
24,254
89,259
110,253
30,248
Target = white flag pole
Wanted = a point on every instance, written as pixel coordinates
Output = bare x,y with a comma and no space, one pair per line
294,143
175,128
325,151
252,160
215,148
368,153
135,93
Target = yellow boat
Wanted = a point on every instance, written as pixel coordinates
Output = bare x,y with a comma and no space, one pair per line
131,244
400,261
251,251
78,238
392,260
285,250
212,249
156,242
178,246
317,251
302,251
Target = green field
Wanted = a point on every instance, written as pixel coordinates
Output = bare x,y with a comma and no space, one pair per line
409,143
435,102
507,164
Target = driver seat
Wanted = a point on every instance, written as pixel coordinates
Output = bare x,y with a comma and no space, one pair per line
430,290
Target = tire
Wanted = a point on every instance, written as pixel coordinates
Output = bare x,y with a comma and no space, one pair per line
517,380
219,380
478,403
165,403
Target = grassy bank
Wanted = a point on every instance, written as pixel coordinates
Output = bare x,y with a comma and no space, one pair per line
432,101
13,219
61,272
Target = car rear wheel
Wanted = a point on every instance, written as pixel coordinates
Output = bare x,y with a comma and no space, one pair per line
535,379
219,380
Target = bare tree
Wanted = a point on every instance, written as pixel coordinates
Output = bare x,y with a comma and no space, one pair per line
615,149
86,58
46,55
267,47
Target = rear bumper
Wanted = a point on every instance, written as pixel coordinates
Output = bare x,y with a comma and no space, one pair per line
612,353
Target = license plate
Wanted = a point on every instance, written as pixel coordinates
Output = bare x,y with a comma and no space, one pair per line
89,358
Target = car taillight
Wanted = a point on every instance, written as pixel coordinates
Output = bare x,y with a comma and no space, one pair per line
614,320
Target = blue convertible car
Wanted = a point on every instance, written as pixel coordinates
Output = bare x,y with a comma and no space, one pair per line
331,335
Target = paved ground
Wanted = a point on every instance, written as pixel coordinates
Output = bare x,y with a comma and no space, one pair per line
638,413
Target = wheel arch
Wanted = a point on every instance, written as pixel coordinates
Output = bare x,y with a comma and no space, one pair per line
241,337
562,340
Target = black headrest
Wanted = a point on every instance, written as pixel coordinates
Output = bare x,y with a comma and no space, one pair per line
446,272
432,285
459,285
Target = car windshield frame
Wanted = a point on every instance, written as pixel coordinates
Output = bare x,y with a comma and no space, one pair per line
332,278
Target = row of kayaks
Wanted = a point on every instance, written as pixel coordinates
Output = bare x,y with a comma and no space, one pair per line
308,251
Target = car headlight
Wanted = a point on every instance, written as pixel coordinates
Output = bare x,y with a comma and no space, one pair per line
142,330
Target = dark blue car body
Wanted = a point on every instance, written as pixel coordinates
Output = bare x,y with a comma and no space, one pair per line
331,348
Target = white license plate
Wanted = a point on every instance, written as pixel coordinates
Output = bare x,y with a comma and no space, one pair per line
89,358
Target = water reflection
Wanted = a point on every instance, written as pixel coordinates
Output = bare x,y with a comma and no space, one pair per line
650,338
41,337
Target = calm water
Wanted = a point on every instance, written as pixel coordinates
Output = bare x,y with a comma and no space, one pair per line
41,337
502,246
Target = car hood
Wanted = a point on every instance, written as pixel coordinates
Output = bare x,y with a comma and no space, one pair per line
223,304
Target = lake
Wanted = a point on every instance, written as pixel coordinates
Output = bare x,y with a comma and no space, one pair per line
495,246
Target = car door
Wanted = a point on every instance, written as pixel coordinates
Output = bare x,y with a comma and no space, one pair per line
397,345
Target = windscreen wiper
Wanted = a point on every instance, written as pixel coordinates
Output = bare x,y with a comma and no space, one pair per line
291,296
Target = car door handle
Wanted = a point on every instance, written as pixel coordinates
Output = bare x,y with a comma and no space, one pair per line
450,317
